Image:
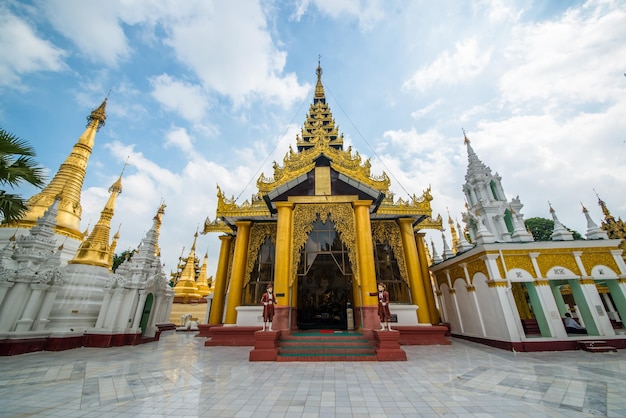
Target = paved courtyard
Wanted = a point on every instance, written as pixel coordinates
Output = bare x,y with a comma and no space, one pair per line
180,377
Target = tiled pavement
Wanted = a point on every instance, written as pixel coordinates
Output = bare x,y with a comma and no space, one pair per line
180,377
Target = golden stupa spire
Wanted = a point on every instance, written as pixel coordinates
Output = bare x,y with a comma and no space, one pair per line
158,220
319,88
319,125
203,283
67,183
186,288
615,228
96,249
116,238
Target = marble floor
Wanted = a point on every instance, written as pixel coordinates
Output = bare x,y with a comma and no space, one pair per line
180,377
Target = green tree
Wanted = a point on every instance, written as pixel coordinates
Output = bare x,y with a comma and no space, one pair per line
16,166
119,258
542,228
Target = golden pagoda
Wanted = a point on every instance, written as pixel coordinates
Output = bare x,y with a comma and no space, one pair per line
67,183
204,283
324,231
96,249
186,289
615,228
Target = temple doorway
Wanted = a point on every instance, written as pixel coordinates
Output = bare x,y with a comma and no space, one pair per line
145,315
324,280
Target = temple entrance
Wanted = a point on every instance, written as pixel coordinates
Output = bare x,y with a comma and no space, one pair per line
145,315
324,280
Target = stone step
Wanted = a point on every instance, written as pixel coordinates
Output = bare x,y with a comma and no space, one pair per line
596,346
329,346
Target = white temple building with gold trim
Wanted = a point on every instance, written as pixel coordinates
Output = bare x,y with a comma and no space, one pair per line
57,288
510,291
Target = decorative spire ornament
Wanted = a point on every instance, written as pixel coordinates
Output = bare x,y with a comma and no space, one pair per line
593,230
560,233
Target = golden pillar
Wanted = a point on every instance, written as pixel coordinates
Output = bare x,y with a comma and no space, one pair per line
428,284
221,278
416,280
365,260
240,259
282,269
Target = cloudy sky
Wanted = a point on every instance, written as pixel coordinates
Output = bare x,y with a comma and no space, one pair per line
212,92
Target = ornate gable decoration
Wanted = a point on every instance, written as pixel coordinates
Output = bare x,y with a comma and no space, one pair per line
411,207
297,163
228,208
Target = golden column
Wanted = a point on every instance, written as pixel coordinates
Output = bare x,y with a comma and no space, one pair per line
428,284
221,278
240,259
413,269
282,269
365,260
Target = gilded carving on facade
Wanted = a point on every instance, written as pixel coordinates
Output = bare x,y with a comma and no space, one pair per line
550,260
456,273
258,234
430,223
389,232
342,216
412,206
298,163
231,257
476,266
519,294
218,225
497,283
522,262
228,208
592,259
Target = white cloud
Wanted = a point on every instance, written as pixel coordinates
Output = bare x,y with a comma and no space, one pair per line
23,51
575,59
94,28
427,109
367,12
468,61
178,137
230,49
187,100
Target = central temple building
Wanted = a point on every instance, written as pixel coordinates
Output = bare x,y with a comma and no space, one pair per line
324,231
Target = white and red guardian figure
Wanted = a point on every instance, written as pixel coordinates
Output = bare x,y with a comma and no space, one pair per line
383,306
268,300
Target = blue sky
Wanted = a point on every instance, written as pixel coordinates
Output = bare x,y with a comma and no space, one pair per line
212,92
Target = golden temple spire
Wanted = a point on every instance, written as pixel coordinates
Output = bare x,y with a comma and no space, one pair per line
319,126
319,88
203,284
67,183
186,289
96,249
116,238
615,228
158,220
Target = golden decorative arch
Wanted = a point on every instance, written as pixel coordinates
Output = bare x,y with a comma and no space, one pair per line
389,231
343,217
258,234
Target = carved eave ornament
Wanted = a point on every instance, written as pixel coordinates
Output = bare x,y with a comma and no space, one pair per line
295,164
230,212
431,223
415,207
218,225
